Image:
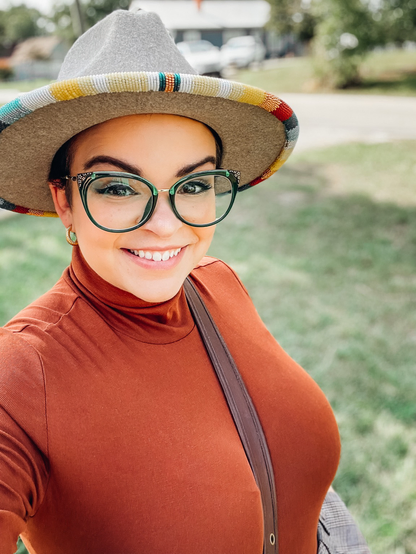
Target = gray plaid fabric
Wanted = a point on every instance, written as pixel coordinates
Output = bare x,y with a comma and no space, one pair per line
337,531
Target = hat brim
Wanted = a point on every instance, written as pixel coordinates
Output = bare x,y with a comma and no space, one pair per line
257,129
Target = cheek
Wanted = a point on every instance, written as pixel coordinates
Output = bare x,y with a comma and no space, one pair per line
90,238
205,236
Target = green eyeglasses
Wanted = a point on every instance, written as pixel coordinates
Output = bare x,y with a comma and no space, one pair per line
119,202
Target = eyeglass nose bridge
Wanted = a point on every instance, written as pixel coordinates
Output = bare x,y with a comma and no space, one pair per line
156,198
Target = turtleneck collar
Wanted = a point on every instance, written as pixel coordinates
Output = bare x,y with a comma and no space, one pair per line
161,323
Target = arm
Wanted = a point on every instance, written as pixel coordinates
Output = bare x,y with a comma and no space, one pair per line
23,439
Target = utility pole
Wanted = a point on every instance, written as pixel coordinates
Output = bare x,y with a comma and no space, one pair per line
77,17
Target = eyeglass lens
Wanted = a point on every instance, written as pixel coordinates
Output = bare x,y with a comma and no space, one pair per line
117,202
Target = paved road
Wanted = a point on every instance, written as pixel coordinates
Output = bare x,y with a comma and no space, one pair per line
7,95
327,119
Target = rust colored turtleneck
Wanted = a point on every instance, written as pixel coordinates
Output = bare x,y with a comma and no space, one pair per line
115,436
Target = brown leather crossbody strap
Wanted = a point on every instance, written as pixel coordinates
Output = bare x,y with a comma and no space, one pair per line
243,411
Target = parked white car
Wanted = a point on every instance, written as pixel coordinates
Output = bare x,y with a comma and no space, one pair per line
242,51
202,55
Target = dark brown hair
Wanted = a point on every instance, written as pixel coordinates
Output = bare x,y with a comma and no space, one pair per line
61,167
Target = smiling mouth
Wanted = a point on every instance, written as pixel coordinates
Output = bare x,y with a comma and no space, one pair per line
156,256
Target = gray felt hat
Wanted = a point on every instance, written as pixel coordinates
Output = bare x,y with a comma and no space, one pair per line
128,64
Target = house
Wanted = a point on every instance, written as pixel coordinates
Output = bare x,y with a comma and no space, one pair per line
214,20
38,57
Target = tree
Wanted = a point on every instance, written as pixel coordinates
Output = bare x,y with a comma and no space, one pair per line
349,29
344,34
344,31
93,11
293,17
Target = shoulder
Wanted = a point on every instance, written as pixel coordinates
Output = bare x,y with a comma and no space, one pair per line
214,275
225,295
46,323
22,385
45,311
15,353
23,341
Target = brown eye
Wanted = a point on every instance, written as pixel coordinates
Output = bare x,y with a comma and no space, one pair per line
194,187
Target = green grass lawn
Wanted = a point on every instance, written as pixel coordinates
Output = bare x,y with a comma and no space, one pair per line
24,86
327,249
390,72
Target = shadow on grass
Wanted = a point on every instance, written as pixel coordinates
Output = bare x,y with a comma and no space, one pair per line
405,83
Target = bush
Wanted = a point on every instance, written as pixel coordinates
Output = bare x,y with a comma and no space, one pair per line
6,73
336,69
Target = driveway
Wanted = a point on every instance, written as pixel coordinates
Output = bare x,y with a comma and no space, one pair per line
327,119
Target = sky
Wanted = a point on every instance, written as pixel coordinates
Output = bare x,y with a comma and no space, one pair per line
43,6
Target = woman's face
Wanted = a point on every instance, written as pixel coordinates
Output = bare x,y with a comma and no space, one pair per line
160,148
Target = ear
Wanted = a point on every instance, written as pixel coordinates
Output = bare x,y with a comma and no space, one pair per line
63,209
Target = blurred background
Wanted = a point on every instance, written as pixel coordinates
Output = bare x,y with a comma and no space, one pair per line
327,246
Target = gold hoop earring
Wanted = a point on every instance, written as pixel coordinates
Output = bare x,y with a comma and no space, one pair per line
69,238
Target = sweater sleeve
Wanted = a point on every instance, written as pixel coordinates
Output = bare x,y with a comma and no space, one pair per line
23,437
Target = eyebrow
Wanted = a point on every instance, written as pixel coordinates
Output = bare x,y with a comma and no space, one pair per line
191,167
129,168
124,166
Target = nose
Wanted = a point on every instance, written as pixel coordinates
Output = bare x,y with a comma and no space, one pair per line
163,221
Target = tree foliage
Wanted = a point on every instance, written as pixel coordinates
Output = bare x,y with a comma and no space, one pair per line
293,17
396,19
16,24
95,10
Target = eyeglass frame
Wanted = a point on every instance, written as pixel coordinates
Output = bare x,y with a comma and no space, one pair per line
84,180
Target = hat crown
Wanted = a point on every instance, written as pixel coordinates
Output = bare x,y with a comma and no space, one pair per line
124,41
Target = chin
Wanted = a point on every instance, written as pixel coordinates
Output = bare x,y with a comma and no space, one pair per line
155,292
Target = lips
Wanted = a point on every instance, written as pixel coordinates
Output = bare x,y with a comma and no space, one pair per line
156,256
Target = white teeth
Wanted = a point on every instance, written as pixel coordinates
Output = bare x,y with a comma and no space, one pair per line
156,256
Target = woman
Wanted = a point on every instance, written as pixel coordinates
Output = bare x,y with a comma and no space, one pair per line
114,433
